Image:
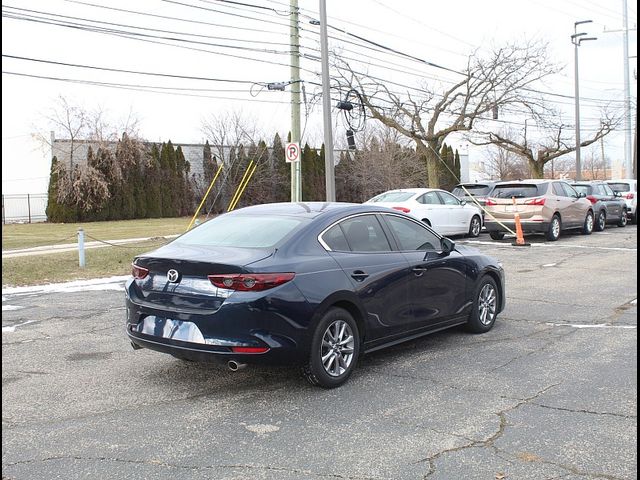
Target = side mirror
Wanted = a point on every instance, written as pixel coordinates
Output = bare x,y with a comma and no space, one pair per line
582,195
447,245
617,194
463,202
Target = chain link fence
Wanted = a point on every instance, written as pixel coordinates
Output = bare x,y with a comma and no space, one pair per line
24,208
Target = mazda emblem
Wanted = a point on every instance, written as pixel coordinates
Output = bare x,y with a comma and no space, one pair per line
173,276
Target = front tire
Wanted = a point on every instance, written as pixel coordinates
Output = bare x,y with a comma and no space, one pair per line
601,222
496,235
485,306
587,227
475,226
334,349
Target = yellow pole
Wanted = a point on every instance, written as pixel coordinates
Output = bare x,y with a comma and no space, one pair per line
205,196
245,185
233,199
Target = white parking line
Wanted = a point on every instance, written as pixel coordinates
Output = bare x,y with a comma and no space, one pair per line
548,245
13,327
11,307
597,325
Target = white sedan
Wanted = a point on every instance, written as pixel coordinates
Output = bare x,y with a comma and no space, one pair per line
439,209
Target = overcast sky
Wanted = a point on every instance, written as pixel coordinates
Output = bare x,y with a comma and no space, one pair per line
228,41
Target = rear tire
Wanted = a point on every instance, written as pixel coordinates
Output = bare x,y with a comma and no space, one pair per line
587,227
485,306
334,349
601,222
555,227
475,226
623,218
496,235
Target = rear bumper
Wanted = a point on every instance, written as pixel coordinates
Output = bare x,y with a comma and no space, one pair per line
267,322
530,227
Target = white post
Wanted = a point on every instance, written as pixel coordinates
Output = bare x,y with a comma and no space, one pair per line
81,261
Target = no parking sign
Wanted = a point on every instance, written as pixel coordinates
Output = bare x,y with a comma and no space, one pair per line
292,152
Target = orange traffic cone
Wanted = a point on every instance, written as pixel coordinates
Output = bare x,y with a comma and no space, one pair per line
519,235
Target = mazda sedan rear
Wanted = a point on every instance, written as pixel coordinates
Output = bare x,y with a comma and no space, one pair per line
309,284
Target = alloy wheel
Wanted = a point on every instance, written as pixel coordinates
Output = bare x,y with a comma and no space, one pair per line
487,303
555,227
337,348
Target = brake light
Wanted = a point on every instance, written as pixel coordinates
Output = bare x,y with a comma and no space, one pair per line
249,349
629,196
592,199
402,209
535,201
139,272
490,202
250,282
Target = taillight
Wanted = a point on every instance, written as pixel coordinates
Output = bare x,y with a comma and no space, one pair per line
250,282
138,272
249,349
490,202
402,209
592,199
535,201
629,196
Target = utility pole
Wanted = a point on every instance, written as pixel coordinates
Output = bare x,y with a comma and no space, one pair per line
628,168
329,167
577,39
296,184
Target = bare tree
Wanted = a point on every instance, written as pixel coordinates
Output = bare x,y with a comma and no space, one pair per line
70,121
557,141
427,115
500,164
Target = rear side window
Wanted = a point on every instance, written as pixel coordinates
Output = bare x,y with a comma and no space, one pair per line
620,187
364,234
429,198
335,239
518,190
245,231
392,197
410,235
597,189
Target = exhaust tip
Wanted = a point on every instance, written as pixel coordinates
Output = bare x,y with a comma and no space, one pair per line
235,366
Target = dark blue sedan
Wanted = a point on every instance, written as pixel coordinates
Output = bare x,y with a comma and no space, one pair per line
314,284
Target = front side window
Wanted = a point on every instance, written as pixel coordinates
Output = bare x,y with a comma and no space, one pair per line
448,199
569,191
410,235
607,190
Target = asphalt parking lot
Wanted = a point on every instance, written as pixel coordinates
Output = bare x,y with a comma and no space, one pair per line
549,393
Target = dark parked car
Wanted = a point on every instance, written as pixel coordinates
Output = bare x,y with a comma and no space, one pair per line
608,206
474,190
314,284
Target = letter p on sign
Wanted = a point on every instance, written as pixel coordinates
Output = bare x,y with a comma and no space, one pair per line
292,152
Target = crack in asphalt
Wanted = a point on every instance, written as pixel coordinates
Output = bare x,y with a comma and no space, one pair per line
488,442
194,467
549,343
590,412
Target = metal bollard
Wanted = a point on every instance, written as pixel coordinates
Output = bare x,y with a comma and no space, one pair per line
81,247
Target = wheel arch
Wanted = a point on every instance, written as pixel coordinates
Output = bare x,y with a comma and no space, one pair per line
347,301
495,276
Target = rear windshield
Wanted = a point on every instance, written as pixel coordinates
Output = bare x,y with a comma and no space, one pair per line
581,189
392,197
474,190
246,231
517,190
620,187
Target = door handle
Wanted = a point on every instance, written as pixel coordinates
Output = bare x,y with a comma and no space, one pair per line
359,275
419,271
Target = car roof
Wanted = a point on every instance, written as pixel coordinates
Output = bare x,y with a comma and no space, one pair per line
307,209
413,190
478,182
535,181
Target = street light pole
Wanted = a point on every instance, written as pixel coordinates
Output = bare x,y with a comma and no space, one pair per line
329,173
576,39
